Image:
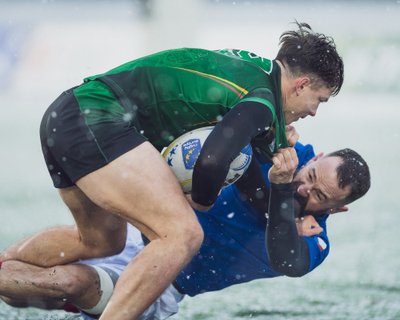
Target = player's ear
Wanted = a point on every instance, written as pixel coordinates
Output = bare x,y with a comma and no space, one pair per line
301,83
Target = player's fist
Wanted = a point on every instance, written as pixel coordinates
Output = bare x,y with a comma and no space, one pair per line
285,163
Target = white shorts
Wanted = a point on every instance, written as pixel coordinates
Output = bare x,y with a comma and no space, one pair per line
110,268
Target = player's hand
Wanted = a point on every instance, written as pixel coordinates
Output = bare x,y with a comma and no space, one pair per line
195,205
291,135
307,226
285,163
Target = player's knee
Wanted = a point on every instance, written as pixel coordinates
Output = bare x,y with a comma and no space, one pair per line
191,235
75,284
197,237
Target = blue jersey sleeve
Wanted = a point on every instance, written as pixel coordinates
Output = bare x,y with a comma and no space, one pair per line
318,245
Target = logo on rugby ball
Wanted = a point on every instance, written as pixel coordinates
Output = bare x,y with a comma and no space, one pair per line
190,152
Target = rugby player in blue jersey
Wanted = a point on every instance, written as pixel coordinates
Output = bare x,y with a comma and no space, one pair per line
242,242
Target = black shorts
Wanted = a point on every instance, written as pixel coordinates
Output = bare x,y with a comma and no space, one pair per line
73,149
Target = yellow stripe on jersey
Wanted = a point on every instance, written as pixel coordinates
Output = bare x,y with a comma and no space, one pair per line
229,84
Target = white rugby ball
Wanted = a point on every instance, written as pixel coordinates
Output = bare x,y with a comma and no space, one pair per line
182,153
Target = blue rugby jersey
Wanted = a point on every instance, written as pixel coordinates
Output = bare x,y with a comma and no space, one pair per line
234,250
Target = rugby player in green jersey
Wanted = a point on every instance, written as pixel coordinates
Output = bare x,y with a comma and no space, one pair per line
101,142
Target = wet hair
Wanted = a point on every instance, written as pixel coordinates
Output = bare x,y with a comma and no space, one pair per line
306,52
353,172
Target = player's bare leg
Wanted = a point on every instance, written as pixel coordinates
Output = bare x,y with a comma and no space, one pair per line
137,187
23,285
140,187
97,233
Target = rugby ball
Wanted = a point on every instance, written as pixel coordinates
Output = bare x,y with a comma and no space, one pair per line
181,156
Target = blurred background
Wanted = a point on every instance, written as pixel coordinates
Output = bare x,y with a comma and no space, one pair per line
47,46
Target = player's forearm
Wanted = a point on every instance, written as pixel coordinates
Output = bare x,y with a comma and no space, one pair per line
238,127
253,187
287,251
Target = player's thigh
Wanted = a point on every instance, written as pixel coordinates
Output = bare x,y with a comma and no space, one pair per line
140,187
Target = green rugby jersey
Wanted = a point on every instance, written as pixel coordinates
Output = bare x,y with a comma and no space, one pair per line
169,93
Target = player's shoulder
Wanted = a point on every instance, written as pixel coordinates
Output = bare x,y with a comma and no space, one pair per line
264,63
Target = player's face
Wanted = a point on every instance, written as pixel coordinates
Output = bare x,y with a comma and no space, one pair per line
305,101
317,184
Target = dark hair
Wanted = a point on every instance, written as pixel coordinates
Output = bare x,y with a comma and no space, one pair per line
307,52
353,172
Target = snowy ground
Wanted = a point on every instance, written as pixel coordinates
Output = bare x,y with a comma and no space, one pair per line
48,46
